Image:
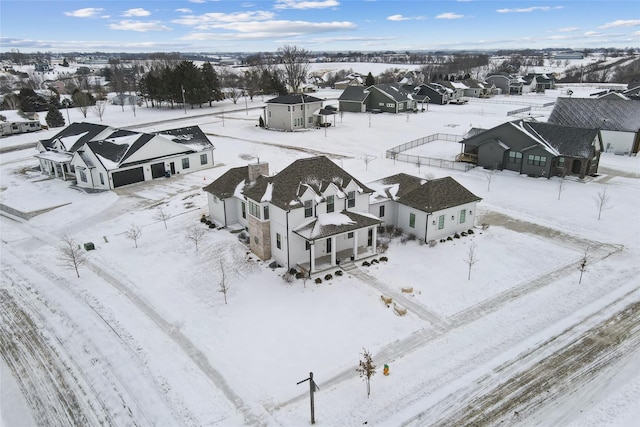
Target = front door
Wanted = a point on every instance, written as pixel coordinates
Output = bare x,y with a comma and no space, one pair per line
370,237
172,166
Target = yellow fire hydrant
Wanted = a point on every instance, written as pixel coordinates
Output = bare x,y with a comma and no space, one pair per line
386,370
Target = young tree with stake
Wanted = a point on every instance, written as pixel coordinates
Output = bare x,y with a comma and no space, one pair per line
224,286
70,254
134,233
366,369
162,215
195,234
583,265
471,259
602,202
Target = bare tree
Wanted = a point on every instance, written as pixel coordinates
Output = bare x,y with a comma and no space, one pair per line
70,254
296,65
99,108
162,215
224,286
419,163
195,234
583,264
489,175
602,202
471,258
133,104
368,159
234,94
134,233
561,185
366,369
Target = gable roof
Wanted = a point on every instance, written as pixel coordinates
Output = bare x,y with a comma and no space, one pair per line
76,134
354,93
191,136
438,194
394,186
393,91
225,186
331,224
607,114
315,173
293,99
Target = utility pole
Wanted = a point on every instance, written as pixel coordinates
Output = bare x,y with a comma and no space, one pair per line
312,388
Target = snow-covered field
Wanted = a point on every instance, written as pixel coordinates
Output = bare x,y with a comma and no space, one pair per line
144,336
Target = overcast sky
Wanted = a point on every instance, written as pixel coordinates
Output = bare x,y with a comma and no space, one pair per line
317,25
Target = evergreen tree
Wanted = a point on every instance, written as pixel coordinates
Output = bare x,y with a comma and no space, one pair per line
54,118
369,80
210,83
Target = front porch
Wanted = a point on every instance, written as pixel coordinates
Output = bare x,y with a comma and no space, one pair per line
323,263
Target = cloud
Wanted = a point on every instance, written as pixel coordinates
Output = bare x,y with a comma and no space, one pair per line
85,13
568,29
622,23
305,4
398,18
449,15
212,19
352,39
139,26
197,1
530,9
184,10
269,29
136,12
593,34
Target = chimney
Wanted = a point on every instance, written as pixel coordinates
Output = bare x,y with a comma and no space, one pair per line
257,169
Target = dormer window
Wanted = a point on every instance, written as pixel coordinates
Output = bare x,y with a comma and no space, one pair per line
308,208
351,199
330,204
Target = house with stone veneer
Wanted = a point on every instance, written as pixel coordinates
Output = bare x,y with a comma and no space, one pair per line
310,216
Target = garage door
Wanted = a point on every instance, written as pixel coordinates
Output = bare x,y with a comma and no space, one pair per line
127,177
157,170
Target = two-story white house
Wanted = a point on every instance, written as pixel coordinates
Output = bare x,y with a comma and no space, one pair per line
310,216
292,112
429,209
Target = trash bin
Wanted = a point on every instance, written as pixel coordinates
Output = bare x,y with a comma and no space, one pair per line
89,246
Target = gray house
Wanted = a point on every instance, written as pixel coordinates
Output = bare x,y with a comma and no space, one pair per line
292,112
536,149
388,97
507,83
617,119
429,209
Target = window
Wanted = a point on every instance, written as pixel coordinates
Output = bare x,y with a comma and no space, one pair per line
254,209
288,107
310,120
536,160
83,176
351,199
308,208
265,212
560,161
101,178
278,241
244,210
463,215
400,106
515,157
329,245
269,113
256,240
412,220
390,104
350,235
185,163
203,159
440,222
330,204
381,211
308,245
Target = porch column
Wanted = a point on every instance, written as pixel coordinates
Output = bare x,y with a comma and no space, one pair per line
374,238
333,250
355,245
312,268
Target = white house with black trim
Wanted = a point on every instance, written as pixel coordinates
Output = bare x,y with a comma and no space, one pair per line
102,157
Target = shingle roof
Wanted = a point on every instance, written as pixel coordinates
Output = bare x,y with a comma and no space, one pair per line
225,186
608,114
395,186
192,136
393,90
568,141
354,93
90,131
293,99
315,173
318,228
438,194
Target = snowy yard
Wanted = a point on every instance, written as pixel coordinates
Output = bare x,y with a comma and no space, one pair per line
144,335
